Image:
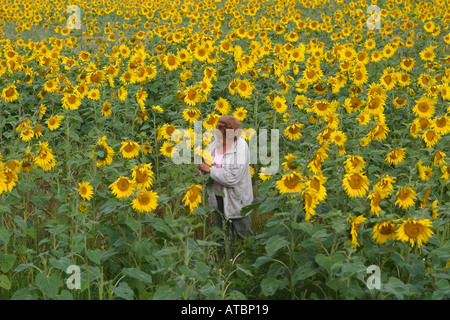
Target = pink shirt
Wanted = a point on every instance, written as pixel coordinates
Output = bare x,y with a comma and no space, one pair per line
218,163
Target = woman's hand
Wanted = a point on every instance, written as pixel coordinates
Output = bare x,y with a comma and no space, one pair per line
203,168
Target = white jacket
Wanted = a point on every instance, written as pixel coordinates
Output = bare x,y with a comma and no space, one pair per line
234,176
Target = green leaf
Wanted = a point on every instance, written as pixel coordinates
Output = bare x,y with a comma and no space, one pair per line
138,274
306,271
123,291
94,255
4,282
24,294
49,285
274,244
4,235
6,261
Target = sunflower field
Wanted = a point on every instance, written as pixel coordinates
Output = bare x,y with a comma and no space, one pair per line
95,96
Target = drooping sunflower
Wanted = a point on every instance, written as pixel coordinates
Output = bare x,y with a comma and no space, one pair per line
193,197
430,137
439,157
129,149
102,152
85,190
289,165
425,172
405,197
354,164
356,184
292,132
445,170
10,178
384,231
315,185
166,148
45,158
354,229
71,101
123,187
385,183
191,114
396,156
415,230
146,201
291,183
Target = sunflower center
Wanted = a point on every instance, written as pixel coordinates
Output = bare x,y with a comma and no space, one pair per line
412,230
355,181
123,185
387,229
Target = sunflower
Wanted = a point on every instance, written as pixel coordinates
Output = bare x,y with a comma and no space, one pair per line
27,133
289,165
171,62
71,101
10,178
223,106
431,137
424,107
146,201
103,153
439,158
425,172
50,85
193,197
191,114
414,229
384,231
143,176
244,88
166,131
396,156
354,229
405,197
407,64
291,183
315,185
192,96
129,149
354,164
338,137
375,198
10,93
106,109
85,190
292,132
146,148
356,184
166,148
45,158
445,170
122,187
240,113
310,203
385,184
323,108
211,121
441,124
279,103
428,54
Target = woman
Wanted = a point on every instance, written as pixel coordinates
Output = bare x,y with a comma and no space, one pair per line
232,183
